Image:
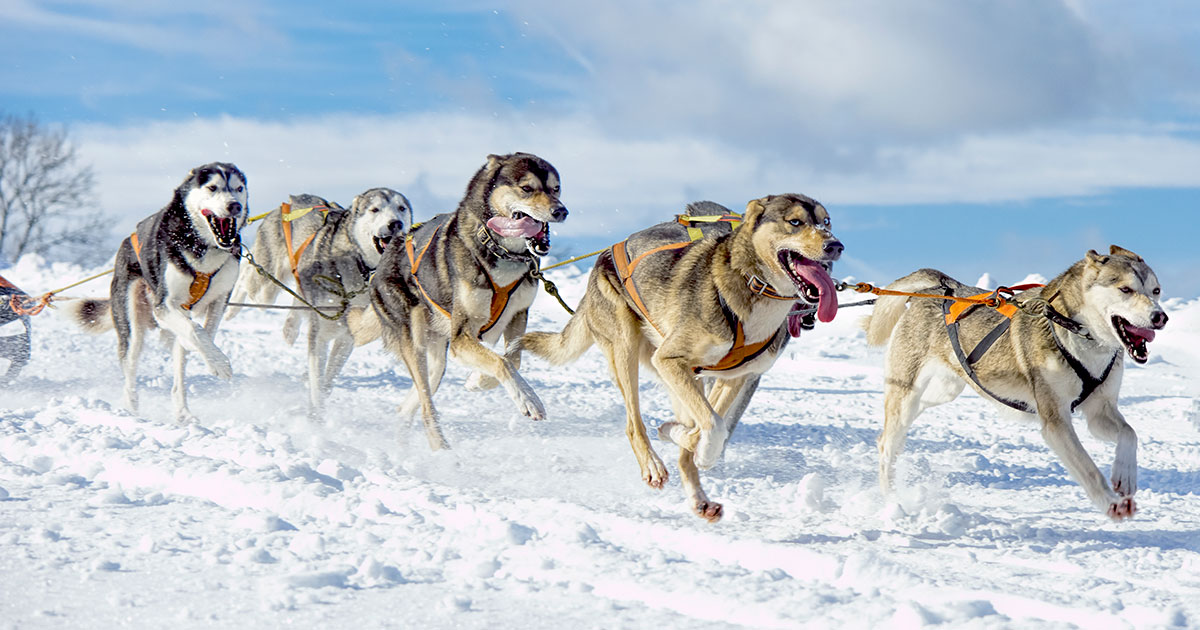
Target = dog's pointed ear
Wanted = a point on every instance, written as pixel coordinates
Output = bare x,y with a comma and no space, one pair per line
754,210
1093,257
493,162
353,202
1117,250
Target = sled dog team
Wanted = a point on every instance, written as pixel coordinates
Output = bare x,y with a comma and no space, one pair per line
706,303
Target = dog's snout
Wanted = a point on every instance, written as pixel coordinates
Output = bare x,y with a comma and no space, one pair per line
1158,319
234,207
396,227
833,249
559,213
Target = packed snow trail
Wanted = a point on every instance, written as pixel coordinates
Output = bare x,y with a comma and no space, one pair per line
257,517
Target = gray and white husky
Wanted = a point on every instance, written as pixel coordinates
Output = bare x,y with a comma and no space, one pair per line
180,263
1042,363
333,271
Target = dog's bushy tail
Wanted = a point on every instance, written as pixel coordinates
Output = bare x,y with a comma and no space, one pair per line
889,308
92,315
558,348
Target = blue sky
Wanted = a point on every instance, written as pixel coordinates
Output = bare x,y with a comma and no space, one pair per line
974,137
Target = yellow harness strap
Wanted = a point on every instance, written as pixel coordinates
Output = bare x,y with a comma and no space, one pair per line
200,280
290,214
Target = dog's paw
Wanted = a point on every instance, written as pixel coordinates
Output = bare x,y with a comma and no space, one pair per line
710,511
710,446
529,404
1122,509
654,473
681,436
480,382
221,367
185,416
1124,480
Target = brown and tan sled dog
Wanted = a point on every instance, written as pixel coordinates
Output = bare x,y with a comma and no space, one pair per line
714,307
461,280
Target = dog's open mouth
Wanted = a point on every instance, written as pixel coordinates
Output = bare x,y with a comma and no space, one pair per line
536,233
802,317
223,228
381,242
812,282
1134,338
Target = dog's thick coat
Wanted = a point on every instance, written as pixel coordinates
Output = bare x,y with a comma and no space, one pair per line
333,272
180,263
462,279
1036,364
684,324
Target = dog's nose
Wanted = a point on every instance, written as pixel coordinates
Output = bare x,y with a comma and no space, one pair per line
1158,319
833,250
396,227
234,207
559,213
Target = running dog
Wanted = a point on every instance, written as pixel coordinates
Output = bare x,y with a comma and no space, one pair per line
14,330
464,278
181,262
333,272
282,237
1060,351
716,307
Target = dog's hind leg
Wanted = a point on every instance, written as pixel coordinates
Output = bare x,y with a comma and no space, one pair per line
127,315
435,369
901,406
623,362
340,349
318,346
401,338
1107,423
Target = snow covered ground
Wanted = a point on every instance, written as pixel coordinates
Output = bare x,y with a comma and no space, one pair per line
256,517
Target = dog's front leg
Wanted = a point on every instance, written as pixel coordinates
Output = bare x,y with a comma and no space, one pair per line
317,350
466,348
183,415
1061,437
478,381
194,338
730,397
1107,423
706,439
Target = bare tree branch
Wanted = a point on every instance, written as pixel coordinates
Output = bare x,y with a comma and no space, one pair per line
46,201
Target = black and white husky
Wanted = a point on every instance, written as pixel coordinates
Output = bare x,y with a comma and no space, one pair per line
180,263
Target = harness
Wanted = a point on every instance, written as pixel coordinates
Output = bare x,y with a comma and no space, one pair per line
956,310
200,280
290,215
500,295
741,352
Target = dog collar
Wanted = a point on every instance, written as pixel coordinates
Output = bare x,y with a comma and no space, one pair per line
760,287
496,249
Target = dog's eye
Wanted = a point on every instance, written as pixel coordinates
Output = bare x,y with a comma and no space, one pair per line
555,190
241,188
1126,290
795,222
527,189
374,210
212,188
1157,292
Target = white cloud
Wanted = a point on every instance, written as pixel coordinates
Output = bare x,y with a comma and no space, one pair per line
612,185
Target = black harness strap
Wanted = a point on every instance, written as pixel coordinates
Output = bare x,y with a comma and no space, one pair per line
977,353
1088,382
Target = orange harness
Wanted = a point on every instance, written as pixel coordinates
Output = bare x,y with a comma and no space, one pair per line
500,295
740,353
200,280
294,253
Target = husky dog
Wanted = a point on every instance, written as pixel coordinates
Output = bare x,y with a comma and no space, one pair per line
281,238
181,262
334,270
1043,363
462,279
717,307
14,331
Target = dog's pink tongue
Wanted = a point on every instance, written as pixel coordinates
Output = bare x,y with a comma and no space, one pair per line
525,226
812,272
1144,333
793,321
